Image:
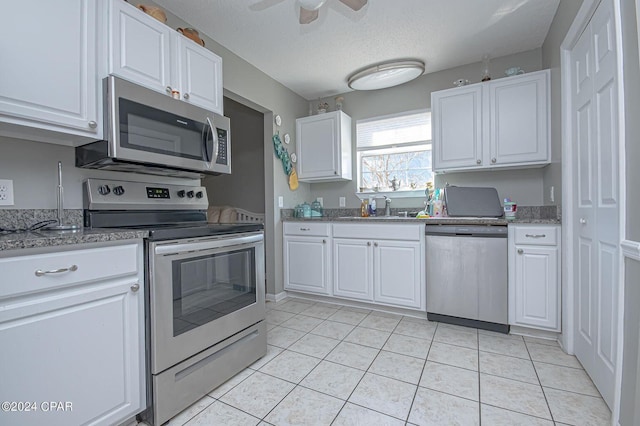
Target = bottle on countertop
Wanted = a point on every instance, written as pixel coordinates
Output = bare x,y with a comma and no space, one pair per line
364,208
372,208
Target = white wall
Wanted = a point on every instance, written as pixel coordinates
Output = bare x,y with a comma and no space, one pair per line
524,186
33,167
565,15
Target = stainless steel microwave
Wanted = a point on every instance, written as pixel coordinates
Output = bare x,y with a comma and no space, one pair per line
150,132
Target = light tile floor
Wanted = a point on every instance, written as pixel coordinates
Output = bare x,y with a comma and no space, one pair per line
333,365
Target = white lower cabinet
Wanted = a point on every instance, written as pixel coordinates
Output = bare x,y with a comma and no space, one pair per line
380,263
307,257
72,327
534,276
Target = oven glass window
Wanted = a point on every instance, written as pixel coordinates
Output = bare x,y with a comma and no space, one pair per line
208,287
148,129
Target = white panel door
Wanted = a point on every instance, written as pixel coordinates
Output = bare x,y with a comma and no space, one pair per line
200,75
519,131
317,145
596,222
49,61
82,346
140,47
397,277
306,266
536,287
457,128
352,269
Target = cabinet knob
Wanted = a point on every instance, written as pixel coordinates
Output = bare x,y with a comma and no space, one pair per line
478,161
375,244
135,287
186,96
583,221
368,243
305,229
493,160
324,241
335,173
93,124
168,89
520,251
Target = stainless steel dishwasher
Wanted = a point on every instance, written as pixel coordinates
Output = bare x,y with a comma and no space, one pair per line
467,275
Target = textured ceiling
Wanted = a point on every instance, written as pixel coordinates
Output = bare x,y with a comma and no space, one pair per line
315,60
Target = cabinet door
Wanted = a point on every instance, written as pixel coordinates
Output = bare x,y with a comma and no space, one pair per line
536,287
457,128
352,269
317,145
306,264
200,75
398,277
83,347
48,75
140,47
519,131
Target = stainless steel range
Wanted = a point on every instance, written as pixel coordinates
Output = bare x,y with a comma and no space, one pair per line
205,285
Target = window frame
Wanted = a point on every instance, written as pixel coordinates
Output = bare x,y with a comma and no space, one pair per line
407,193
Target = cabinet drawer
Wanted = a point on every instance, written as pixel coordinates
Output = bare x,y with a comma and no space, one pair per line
19,273
306,228
536,235
378,231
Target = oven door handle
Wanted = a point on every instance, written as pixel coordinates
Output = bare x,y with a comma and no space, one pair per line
207,245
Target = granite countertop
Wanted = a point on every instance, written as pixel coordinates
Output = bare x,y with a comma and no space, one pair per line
39,239
430,221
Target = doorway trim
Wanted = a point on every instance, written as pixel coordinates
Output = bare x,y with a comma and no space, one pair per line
582,19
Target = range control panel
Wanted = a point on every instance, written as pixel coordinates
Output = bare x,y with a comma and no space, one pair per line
102,194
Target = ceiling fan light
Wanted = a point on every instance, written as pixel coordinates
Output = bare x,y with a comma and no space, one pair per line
311,4
386,75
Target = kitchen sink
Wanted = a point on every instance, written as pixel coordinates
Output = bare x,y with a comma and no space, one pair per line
374,217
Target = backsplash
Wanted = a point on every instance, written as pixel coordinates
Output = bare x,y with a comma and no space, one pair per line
523,212
24,218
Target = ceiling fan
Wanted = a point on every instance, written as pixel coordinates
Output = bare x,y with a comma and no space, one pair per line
309,8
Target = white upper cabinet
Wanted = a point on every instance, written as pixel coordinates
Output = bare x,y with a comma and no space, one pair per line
519,124
457,127
140,47
323,146
48,82
148,52
500,123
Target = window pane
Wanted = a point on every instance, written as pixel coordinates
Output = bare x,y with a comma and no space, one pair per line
394,130
412,169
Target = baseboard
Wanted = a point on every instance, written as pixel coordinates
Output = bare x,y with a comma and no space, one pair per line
276,297
631,249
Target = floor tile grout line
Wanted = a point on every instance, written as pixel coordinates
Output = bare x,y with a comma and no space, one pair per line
198,413
240,409
544,394
415,394
518,412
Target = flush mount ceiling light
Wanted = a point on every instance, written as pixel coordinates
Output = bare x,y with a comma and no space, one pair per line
385,75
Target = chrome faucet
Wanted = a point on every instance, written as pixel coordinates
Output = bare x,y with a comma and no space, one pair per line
387,206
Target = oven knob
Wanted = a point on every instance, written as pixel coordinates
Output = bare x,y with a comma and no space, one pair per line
118,190
199,194
190,194
181,193
103,190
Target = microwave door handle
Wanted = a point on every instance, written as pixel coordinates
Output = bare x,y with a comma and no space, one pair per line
215,142
205,139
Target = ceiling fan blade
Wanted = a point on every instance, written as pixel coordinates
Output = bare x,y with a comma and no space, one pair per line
355,4
307,16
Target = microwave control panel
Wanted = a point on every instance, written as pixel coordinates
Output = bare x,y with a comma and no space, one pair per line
222,147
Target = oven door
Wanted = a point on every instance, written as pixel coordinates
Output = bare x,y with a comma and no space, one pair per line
203,291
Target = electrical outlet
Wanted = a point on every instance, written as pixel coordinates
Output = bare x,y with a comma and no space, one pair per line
6,192
280,201
552,194
343,201
321,201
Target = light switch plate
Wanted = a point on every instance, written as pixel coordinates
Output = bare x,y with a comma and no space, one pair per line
321,201
343,201
280,201
6,192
